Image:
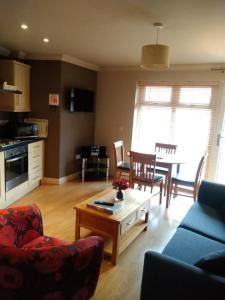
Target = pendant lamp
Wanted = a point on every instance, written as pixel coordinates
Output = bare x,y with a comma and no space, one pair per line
155,56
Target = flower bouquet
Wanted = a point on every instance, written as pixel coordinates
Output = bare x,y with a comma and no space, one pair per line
120,185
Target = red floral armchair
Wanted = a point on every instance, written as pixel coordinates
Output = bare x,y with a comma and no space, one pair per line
37,267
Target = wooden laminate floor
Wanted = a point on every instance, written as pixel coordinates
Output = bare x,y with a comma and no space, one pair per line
123,281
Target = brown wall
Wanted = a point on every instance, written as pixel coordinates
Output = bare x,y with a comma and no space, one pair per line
45,79
116,100
67,131
76,128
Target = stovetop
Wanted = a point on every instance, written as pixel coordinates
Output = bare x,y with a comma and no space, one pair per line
8,142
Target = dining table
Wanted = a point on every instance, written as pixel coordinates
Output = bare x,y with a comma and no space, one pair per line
168,161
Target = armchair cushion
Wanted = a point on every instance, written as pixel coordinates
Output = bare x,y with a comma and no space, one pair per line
214,262
45,241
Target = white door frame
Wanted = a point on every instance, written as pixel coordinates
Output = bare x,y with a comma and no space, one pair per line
221,118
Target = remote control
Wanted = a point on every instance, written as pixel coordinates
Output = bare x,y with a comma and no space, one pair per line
104,203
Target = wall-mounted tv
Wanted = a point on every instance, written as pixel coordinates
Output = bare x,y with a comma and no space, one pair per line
81,100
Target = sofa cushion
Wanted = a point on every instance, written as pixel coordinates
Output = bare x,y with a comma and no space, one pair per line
124,166
189,247
206,221
212,194
214,262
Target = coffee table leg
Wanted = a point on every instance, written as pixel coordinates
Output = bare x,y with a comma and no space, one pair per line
115,246
168,186
77,226
146,221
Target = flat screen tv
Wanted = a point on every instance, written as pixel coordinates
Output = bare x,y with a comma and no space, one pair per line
81,100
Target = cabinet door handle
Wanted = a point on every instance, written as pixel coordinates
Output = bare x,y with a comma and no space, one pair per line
15,158
143,209
129,222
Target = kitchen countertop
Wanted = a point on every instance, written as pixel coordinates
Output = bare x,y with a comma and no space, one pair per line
21,143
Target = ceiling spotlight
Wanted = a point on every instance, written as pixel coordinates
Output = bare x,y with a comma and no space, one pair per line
24,26
45,40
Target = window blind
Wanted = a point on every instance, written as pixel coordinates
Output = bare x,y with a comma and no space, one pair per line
179,114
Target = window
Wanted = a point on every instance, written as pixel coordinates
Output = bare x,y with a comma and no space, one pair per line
176,114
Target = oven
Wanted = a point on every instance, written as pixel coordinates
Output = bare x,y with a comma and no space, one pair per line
16,166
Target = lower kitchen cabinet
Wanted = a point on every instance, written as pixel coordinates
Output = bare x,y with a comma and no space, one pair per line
35,174
35,162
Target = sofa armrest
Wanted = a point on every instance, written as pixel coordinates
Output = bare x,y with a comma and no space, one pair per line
167,278
62,272
212,194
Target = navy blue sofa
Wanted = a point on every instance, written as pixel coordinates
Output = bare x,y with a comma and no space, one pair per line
175,274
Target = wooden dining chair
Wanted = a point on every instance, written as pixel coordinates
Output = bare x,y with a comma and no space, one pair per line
120,167
142,171
191,185
162,149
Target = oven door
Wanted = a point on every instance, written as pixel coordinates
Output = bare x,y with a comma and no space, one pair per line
16,170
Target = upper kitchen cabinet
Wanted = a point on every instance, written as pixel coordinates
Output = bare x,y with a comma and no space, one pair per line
16,74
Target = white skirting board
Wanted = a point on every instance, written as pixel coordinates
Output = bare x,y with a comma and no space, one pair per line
61,180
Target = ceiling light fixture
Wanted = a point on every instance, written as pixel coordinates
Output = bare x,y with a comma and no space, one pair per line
155,56
24,26
45,40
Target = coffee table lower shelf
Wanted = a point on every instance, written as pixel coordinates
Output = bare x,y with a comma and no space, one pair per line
123,242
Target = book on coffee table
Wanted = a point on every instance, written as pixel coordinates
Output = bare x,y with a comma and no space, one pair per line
105,208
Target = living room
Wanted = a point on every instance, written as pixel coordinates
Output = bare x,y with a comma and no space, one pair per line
107,62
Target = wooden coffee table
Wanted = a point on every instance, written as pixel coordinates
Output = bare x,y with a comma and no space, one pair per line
119,229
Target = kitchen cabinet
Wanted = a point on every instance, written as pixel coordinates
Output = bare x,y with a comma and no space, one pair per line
17,74
35,162
35,174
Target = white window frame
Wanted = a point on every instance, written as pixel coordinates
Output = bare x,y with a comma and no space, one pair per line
212,106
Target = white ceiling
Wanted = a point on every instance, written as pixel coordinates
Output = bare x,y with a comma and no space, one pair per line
110,33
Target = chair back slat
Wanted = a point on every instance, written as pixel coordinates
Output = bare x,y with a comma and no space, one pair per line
142,168
165,148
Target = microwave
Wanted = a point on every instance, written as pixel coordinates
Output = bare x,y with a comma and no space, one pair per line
26,130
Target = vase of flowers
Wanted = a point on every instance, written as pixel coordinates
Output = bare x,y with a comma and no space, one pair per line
120,185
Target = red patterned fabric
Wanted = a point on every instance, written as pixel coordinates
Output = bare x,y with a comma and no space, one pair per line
20,225
45,241
37,267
